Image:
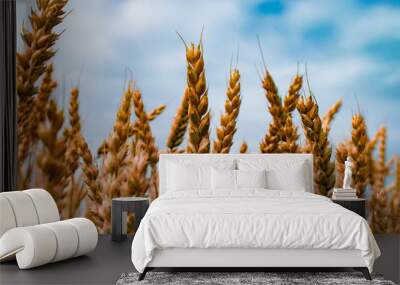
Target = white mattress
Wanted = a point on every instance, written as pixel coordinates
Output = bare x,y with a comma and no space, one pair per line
252,219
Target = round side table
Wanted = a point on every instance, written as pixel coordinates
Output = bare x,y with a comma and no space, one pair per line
119,212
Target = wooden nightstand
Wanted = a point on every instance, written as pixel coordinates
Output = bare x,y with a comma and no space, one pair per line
355,205
119,211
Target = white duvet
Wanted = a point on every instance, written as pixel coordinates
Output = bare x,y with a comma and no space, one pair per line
254,218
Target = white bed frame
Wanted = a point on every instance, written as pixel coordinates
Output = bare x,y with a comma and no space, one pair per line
246,258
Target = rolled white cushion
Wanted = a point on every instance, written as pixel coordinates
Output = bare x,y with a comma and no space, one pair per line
46,207
33,246
23,208
87,235
7,218
66,238
41,244
26,208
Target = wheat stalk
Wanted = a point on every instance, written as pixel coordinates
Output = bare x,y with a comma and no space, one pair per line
227,129
359,154
90,170
150,117
51,159
290,101
28,141
395,200
73,132
116,157
47,86
244,148
324,176
199,116
108,181
288,132
156,112
282,134
380,215
114,162
270,142
75,192
133,128
137,183
91,173
330,115
289,137
370,158
144,133
154,184
179,124
31,64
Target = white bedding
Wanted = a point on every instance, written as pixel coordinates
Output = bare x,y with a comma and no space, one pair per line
251,218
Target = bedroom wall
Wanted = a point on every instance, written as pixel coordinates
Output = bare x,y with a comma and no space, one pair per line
351,49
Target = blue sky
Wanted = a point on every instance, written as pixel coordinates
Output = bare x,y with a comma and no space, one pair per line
351,48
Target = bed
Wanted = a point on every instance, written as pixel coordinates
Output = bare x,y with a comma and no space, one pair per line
247,210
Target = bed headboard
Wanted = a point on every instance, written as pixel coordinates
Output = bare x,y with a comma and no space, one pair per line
210,158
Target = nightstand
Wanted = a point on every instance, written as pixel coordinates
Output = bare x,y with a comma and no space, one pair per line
355,205
119,211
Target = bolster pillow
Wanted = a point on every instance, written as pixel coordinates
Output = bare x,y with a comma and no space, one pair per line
40,244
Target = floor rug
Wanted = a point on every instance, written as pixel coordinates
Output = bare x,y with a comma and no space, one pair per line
269,278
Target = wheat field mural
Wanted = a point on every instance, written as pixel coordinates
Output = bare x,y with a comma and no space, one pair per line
83,176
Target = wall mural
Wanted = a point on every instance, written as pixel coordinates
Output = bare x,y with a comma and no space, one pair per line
83,171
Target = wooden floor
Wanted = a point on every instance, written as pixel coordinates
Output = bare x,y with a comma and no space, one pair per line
103,266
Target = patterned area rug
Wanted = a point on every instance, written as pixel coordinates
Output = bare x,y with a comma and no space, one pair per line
231,278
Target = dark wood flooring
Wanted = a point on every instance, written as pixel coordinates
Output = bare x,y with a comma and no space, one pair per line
110,259
102,266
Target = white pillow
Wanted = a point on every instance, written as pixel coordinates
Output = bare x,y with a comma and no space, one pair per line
251,178
223,179
281,174
291,179
181,177
187,174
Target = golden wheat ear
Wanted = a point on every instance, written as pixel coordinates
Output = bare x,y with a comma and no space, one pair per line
395,201
318,144
179,124
90,171
359,155
244,148
47,86
144,134
75,190
137,182
380,205
270,142
288,132
227,129
51,163
330,115
30,66
199,116
156,112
